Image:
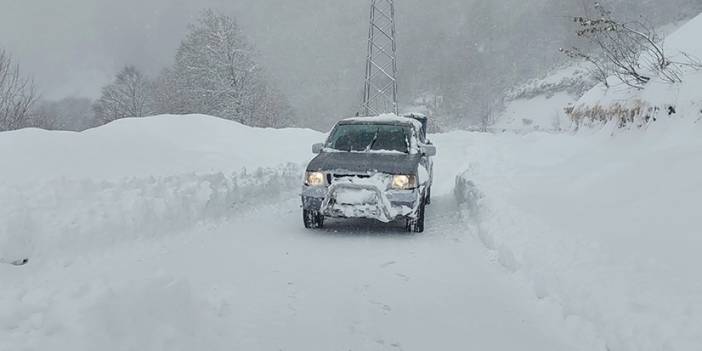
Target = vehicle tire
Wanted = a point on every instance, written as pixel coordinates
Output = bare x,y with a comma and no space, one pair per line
427,198
312,219
416,225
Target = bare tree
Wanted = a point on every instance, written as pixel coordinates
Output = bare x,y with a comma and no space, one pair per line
128,96
17,95
168,95
630,51
271,108
75,114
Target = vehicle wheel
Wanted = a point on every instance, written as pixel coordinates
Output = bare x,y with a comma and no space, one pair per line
312,219
427,198
416,225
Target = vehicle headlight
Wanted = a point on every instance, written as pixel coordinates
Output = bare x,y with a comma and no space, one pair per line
404,182
315,179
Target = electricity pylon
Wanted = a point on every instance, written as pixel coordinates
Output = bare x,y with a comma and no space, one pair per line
380,89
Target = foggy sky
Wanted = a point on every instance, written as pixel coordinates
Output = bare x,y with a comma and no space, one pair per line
73,47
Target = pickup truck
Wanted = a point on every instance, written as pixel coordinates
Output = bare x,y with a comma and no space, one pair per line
371,167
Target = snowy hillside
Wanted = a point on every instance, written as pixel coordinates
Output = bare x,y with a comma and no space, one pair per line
545,104
658,99
603,223
540,104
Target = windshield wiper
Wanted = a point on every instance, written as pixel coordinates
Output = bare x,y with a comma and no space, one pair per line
375,138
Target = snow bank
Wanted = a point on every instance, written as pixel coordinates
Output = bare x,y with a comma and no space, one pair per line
606,227
145,147
74,216
64,192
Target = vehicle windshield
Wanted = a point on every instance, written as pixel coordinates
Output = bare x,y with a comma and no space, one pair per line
370,137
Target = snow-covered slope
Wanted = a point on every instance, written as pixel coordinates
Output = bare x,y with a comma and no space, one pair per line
655,100
569,98
604,223
541,104
606,227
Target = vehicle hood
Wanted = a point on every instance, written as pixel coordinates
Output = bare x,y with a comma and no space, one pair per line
364,162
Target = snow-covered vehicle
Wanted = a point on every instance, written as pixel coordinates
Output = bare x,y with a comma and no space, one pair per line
371,167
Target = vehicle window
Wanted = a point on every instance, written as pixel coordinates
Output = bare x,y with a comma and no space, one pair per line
370,137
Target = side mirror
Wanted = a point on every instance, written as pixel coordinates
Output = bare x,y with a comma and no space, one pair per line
428,150
317,148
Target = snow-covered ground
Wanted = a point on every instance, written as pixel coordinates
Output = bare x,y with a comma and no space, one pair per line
605,226
190,252
568,242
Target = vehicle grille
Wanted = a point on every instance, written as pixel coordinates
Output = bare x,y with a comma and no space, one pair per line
332,177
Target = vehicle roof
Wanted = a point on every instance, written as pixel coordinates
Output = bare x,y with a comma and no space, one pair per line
383,119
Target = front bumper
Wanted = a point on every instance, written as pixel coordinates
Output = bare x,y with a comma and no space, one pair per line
383,205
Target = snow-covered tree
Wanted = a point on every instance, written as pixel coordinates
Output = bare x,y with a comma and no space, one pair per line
216,73
17,95
128,96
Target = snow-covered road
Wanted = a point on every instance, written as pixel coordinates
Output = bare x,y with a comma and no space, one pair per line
262,282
